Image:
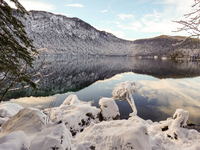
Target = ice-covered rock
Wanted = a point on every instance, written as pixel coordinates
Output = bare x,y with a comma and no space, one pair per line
7,110
170,134
75,114
86,145
109,109
16,140
70,100
180,118
119,134
29,120
54,136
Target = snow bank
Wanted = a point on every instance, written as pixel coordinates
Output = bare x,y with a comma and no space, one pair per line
109,109
136,133
75,114
14,141
28,129
54,136
119,134
7,110
170,134
29,120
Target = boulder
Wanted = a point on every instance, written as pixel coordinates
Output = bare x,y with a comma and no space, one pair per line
54,136
109,109
29,120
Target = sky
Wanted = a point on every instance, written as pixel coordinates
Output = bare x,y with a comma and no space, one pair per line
127,19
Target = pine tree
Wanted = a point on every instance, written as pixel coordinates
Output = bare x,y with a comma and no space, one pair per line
16,49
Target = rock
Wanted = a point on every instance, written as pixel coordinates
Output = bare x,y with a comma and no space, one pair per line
29,120
16,140
86,146
75,114
54,136
7,110
109,109
118,134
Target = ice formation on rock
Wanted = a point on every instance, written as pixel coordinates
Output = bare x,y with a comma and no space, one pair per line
16,140
109,109
119,134
29,120
75,114
7,110
54,136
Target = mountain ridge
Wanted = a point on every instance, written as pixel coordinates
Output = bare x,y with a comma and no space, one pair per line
59,34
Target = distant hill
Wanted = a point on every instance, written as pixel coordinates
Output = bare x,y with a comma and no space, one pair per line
59,34
169,46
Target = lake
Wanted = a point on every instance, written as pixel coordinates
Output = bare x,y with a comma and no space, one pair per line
163,85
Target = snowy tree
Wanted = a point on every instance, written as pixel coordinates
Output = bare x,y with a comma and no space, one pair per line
16,49
124,91
192,20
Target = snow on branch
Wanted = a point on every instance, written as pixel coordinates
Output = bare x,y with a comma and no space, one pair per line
124,91
191,22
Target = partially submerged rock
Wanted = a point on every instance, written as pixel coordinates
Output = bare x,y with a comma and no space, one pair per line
75,114
109,109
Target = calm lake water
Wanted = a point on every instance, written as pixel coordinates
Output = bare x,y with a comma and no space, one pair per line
163,85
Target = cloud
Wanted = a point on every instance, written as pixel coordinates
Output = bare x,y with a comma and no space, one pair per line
128,22
125,16
162,22
117,77
119,34
179,5
178,95
104,11
158,21
34,5
74,5
39,102
135,25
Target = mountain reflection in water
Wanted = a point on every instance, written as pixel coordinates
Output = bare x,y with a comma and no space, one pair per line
163,86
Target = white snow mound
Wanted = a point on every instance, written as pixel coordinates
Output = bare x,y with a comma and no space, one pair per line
109,109
54,136
119,134
75,114
14,141
29,120
7,110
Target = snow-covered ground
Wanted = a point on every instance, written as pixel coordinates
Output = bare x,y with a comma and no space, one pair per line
77,125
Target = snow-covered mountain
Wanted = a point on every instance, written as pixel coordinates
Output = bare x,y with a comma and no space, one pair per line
61,34
169,46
